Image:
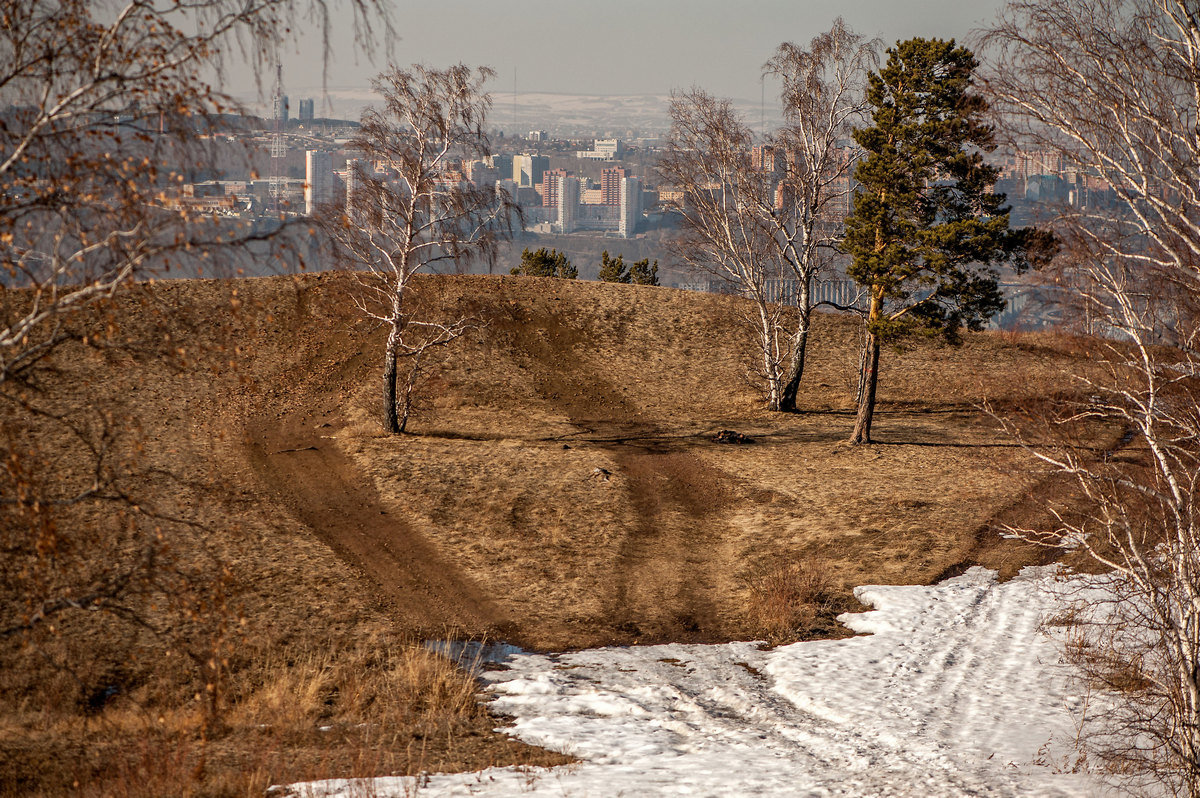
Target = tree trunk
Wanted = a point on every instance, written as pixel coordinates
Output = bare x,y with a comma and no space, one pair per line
391,422
766,333
410,387
869,377
864,354
866,406
791,388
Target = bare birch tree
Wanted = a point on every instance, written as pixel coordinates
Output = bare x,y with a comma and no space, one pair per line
1113,88
1136,630
708,158
823,101
102,114
411,212
767,220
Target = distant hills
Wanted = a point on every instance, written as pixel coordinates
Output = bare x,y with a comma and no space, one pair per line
560,115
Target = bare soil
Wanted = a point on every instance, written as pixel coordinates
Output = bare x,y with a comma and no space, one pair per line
561,486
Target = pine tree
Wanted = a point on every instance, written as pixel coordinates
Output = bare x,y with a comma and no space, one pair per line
926,231
545,263
613,270
642,273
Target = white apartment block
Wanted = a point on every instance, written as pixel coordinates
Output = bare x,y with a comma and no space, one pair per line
318,180
603,150
568,205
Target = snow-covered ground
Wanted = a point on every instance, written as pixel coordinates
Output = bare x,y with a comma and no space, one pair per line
955,691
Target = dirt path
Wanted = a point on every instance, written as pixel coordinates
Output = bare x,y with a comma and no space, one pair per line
671,580
303,467
673,568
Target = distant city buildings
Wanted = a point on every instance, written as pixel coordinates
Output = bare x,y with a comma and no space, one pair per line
630,207
318,179
1040,177
603,150
764,159
551,187
568,202
527,170
610,184
306,110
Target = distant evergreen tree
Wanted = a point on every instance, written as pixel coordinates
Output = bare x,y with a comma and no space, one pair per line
545,263
926,230
642,273
613,270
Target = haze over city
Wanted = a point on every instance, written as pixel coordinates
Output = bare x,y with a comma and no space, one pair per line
618,48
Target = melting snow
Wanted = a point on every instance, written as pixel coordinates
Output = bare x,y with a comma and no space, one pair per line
956,691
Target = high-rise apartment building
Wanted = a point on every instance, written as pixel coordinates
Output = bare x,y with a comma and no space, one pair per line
503,164
551,187
610,184
631,206
568,202
764,158
318,179
480,172
527,169
307,107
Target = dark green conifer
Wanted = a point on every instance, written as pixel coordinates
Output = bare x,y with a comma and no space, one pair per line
545,263
613,270
926,231
642,273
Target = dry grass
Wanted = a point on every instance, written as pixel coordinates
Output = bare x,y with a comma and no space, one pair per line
794,599
380,706
389,685
683,539
569,377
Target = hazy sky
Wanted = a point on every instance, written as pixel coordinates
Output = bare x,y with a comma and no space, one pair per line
619,46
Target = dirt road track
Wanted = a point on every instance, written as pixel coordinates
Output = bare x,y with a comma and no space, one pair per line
324,491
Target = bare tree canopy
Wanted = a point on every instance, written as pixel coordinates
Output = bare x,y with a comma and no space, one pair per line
1112,88
766,218
708,159
823,96
103,112
408,210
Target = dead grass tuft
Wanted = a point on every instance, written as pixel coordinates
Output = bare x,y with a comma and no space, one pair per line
793,599
376,683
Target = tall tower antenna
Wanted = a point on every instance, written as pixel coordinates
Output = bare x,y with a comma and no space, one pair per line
762,108
278,148
514,101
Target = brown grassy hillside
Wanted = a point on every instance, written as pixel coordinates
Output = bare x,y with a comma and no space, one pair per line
561,488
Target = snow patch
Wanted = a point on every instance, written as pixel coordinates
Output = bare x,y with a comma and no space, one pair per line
956,691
